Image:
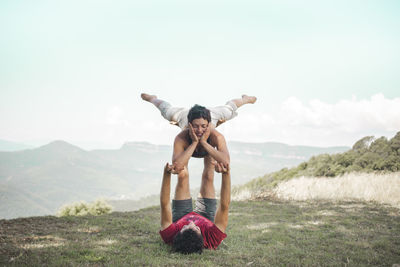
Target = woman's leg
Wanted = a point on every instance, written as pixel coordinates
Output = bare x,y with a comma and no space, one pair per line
152,99
228,111
174,115
244,100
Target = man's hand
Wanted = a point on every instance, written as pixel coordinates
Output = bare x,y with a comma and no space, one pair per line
168,168
206,134
192,134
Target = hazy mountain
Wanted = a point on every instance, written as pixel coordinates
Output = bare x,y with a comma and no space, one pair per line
38,181
12,146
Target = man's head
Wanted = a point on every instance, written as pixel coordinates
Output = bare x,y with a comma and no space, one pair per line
189,240
199,117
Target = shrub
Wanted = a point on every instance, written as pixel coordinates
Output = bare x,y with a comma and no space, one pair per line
82,208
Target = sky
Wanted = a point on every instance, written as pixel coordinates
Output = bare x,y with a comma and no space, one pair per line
326,73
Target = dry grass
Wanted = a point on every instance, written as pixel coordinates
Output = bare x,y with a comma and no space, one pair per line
382,188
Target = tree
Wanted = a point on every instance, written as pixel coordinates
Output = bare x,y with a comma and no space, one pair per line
363,144
381,147
395,144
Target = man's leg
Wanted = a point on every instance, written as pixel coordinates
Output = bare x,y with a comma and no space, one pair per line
182,190
207,189
182,202
206,203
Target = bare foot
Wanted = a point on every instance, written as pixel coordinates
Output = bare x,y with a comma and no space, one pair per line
249,99
147,97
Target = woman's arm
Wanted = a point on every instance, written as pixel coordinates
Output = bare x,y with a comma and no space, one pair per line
183,152
221,154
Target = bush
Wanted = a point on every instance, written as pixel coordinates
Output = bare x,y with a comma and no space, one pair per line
82,208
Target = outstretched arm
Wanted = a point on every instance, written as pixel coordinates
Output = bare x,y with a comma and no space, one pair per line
165,202
221,216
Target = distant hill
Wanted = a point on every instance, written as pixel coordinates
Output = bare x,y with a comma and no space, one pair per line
38,181
369,154
12,146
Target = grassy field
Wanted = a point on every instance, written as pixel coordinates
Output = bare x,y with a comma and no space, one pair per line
260,233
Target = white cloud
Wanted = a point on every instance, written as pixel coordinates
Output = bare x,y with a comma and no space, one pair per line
293,122
116,116
320,123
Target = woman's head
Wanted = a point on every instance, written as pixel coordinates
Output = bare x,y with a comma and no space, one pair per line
199,117
197,112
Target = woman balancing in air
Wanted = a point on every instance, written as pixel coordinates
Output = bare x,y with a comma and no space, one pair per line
178,115
187,230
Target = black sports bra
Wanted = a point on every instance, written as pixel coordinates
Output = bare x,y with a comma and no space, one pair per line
201,153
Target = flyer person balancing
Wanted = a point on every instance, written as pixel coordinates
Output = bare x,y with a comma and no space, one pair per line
187,230
178,115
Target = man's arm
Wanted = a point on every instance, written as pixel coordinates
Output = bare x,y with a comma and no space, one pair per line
221,216
165,202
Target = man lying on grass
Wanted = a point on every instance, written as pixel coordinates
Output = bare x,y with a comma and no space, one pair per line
190,231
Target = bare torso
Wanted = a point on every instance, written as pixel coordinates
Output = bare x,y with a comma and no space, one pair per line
199,152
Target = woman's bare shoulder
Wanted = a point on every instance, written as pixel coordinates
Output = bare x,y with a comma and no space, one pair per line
216,136
215,133
183,136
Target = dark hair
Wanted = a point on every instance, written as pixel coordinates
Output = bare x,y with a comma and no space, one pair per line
188,241
197,112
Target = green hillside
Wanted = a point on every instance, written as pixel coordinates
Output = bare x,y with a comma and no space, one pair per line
260,233
367,155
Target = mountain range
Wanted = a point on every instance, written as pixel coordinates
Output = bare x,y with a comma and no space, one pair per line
35,182
12,146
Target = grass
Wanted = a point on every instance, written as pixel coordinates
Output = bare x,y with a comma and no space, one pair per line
260,233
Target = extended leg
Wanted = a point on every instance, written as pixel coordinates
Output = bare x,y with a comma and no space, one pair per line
182,190
207,189
174,115
182,202
152,99
244,100
228,111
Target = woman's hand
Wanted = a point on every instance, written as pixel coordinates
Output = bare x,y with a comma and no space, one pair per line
192,134
206,134
220,167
